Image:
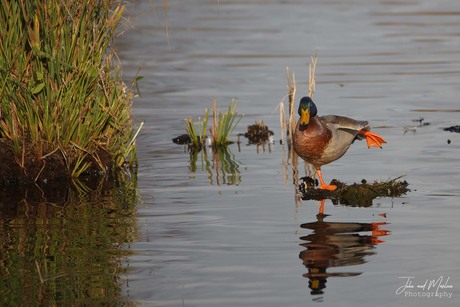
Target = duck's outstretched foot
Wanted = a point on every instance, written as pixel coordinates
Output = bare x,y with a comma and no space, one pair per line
372,139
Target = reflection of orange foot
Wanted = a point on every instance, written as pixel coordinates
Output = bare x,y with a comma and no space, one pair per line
321,207
380,233
376,241
377,232
324,186
372,139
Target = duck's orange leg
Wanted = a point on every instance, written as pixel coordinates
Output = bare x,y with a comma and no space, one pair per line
324,186
372,139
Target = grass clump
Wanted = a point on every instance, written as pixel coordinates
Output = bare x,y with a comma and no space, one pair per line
62,104
223,125
197,135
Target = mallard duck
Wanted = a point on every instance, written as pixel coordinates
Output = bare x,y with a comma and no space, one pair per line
320,140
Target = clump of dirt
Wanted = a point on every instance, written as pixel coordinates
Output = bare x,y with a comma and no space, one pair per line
258,133
356,194
31,168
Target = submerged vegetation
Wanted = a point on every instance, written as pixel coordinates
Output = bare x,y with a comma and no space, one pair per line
64,111
215,156
197,136
223,125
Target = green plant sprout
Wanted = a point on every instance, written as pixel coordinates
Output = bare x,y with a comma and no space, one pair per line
222,127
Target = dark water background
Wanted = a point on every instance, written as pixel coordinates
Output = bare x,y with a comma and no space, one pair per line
229,230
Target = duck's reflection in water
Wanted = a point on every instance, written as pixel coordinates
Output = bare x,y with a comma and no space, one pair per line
337,244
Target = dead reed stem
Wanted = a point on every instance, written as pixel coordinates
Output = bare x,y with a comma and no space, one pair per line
312,77
282,121
292,86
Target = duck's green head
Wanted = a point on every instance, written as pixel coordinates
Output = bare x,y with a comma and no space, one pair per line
307,110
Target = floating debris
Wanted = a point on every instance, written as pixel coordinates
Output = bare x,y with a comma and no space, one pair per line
259,133
455,129
356,195
182,139
421,122
407,129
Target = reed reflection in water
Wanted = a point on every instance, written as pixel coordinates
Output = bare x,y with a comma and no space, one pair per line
220,164
334,245
66,246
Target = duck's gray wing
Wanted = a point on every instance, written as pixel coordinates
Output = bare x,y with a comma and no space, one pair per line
345,123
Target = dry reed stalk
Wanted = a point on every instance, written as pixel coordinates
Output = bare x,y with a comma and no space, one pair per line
292,86
283,124
282,121
312,77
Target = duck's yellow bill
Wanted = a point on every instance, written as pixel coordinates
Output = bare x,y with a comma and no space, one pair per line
304,117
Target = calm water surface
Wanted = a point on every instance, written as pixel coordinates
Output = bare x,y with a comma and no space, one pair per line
210,237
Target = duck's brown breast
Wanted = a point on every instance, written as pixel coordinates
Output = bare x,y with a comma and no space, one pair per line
311,143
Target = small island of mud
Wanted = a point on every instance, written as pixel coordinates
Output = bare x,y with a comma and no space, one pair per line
356,194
